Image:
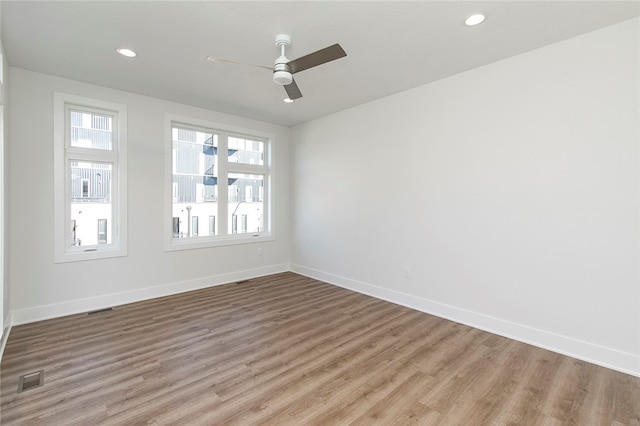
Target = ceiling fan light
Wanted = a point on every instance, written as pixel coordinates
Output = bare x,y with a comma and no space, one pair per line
126,52
282,78
474,19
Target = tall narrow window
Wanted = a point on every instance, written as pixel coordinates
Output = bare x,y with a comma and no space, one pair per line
234,224
212,225
73,239
220,175
90,178
176,227
85,188
243,223
194,226
102,231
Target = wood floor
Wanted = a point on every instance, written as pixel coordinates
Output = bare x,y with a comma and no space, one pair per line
286,349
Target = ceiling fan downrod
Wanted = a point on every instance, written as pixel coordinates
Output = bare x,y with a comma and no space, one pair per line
281,71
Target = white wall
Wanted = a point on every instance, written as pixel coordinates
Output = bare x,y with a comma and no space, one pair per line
511,192
40,288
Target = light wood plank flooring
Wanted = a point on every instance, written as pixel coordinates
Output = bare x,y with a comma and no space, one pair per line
289,350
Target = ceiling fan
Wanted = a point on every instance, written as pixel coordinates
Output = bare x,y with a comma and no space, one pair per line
284,68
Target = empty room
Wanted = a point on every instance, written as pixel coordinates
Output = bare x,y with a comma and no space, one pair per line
320,212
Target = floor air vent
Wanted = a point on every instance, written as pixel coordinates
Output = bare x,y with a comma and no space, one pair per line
100,311
30,381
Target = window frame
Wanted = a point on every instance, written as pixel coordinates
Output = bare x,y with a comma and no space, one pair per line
221,237
64,152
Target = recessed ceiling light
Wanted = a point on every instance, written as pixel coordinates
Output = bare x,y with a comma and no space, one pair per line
287,100
474,19
126,52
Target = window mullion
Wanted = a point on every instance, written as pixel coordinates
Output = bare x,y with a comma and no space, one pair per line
88,155
223,184
246,169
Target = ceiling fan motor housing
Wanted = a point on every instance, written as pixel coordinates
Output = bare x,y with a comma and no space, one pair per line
281,73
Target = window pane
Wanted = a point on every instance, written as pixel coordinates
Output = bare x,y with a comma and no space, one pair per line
246,151
91,130
91,205
246,204
195,180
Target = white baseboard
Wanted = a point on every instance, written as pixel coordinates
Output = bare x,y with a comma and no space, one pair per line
39,313
606,357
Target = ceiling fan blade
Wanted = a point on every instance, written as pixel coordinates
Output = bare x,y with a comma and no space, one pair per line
229,61
316,58
293,91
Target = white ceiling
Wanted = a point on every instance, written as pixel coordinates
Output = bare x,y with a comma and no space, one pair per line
391,45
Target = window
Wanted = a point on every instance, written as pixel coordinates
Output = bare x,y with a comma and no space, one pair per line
194,226
221,174
176,227
212,225
102,231
73,233
234,224
85,187
89,178
243,222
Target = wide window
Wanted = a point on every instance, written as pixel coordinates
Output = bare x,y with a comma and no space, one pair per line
90,179
218,185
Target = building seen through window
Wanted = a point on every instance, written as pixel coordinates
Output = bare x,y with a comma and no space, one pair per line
206,164
90,183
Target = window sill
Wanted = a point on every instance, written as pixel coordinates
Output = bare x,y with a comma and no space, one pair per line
90,254
220,241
